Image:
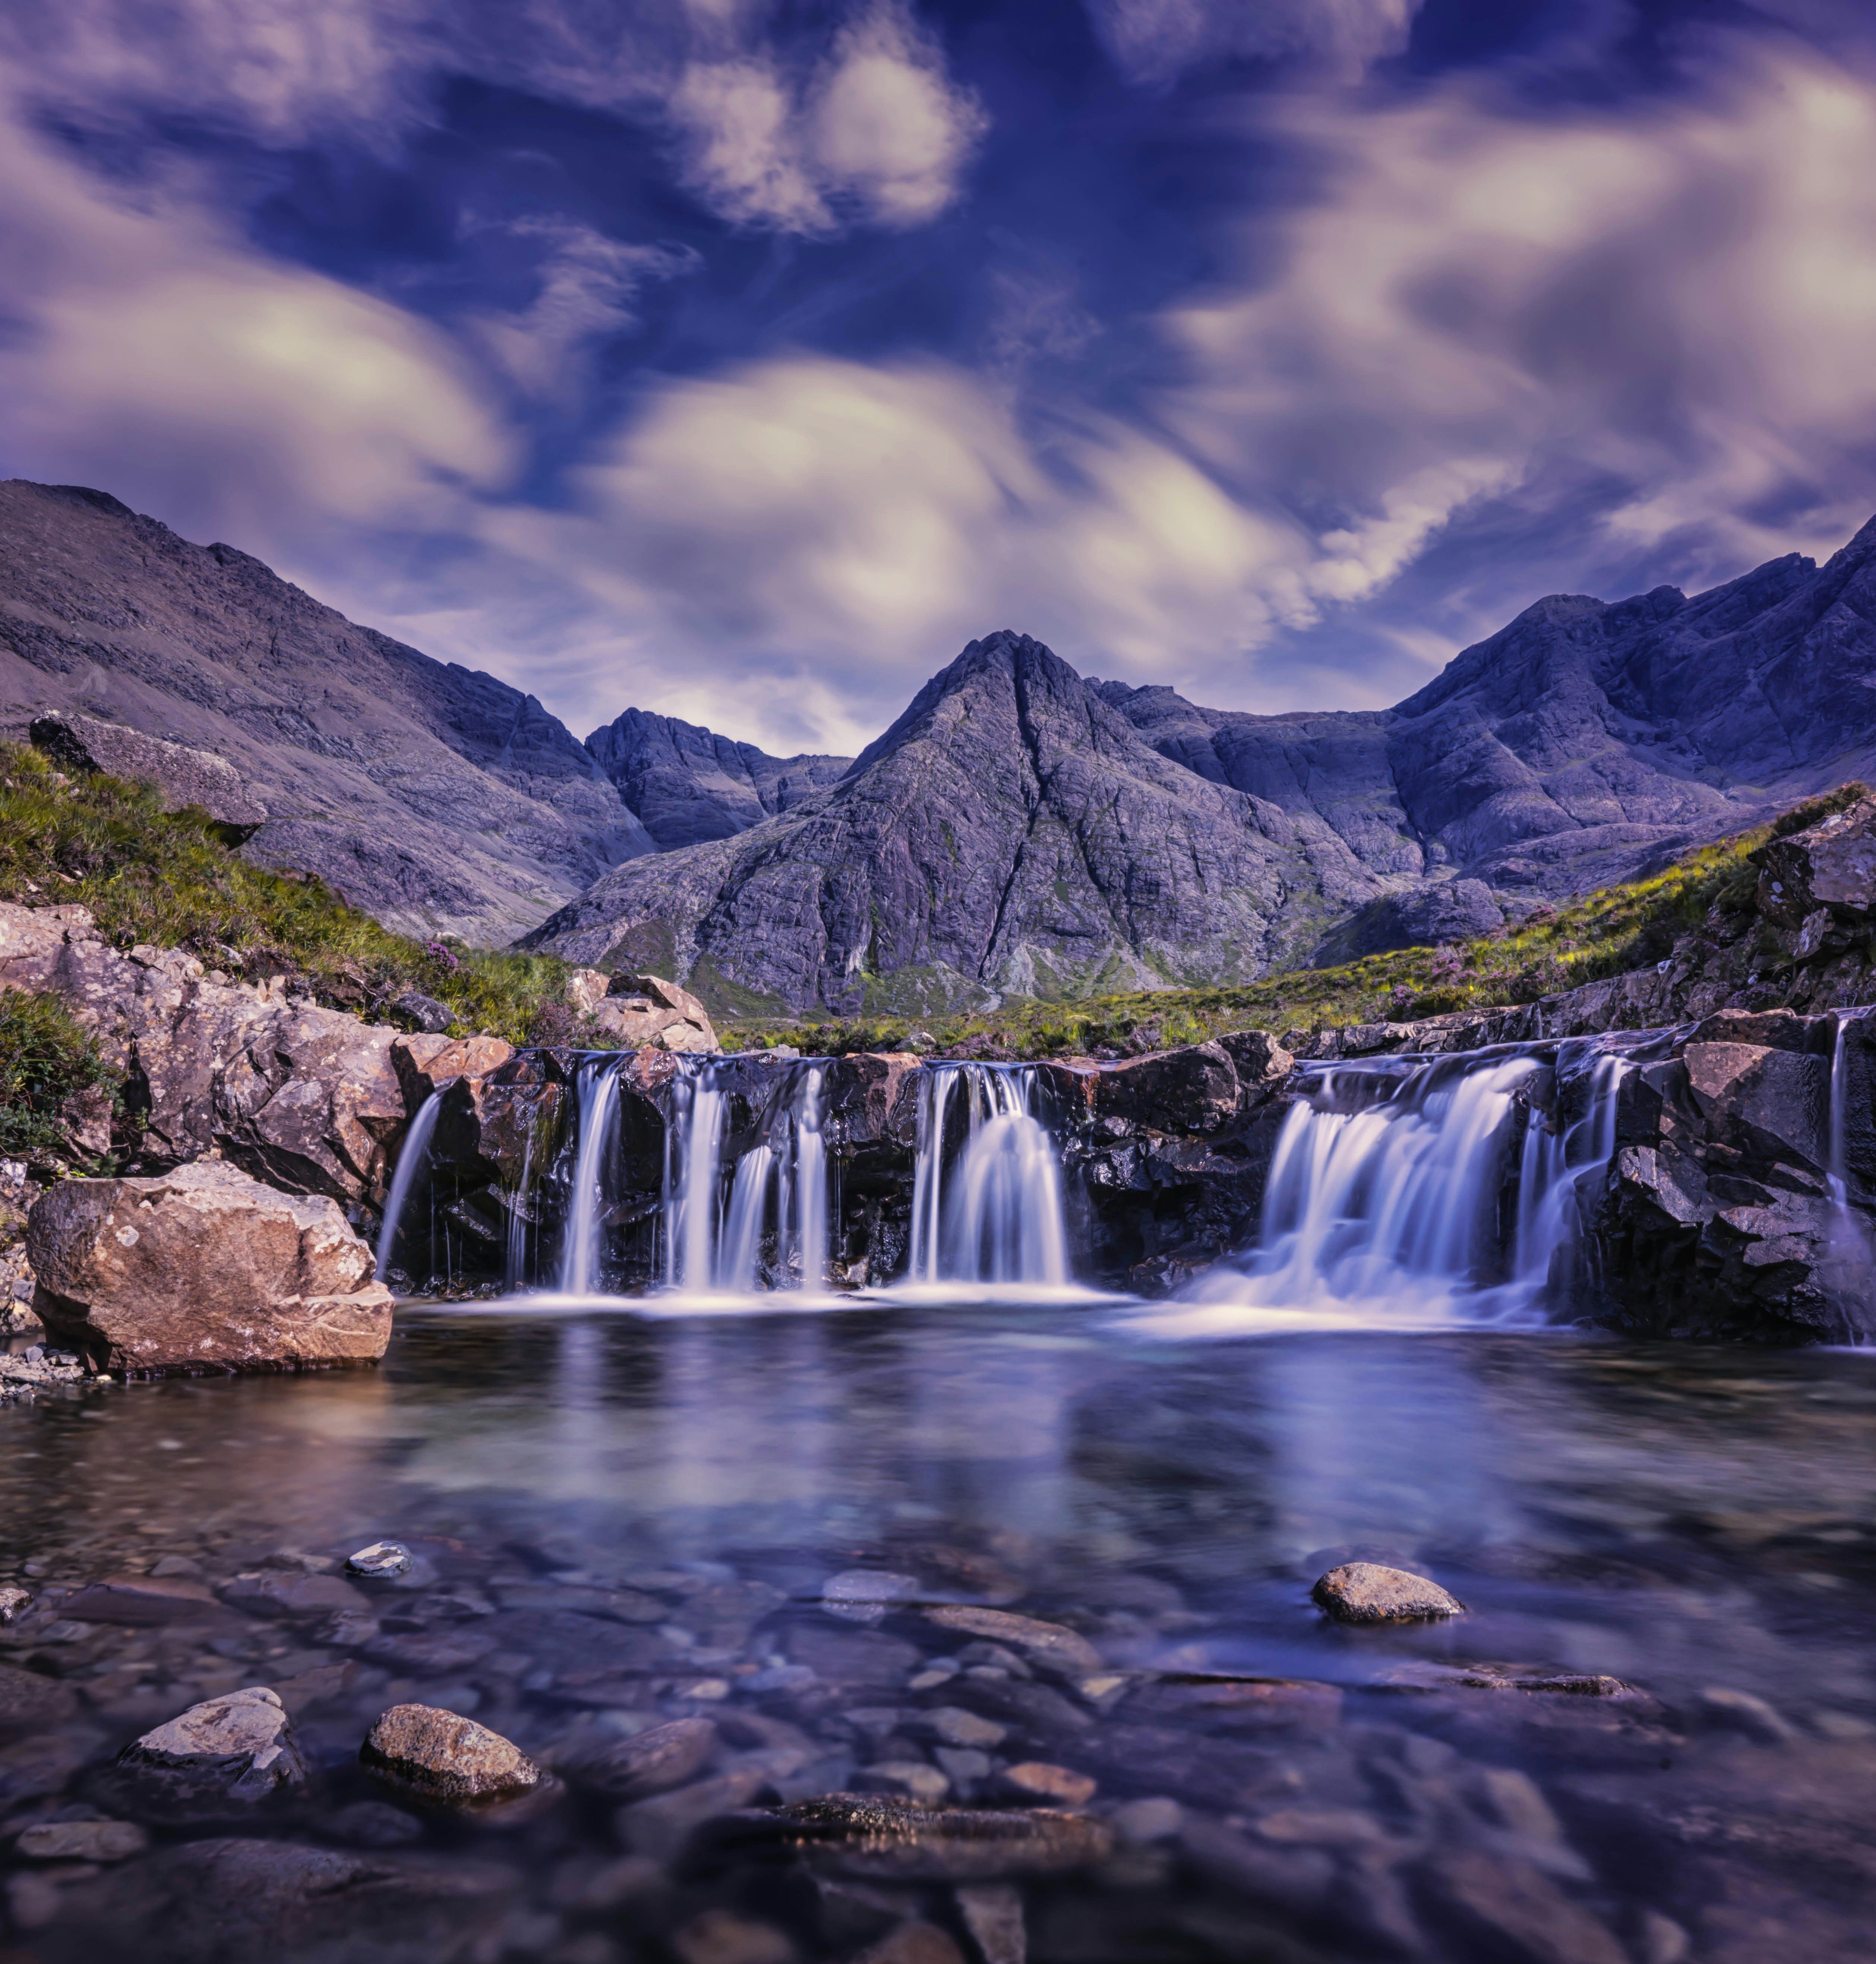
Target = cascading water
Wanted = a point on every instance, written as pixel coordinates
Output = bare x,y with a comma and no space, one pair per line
413,1158
777,1186
992,1214
1850,1259
1401,1191
597,1090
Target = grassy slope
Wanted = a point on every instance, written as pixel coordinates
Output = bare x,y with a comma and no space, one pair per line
167,879
1604,933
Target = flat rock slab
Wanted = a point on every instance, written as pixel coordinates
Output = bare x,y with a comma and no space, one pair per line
445,1758
872,1836
1048,1644
139,1601
1364,1592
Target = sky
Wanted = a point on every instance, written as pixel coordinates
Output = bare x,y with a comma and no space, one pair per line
742,360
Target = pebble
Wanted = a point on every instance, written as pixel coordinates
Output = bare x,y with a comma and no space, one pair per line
913,1778
864,1595
240,1746
1037,1780
956,1727
1364,1592
1143,1822
380,1557
444,1757
718,1936
82,1841
915,1942
650,1762
279,1592
14,1603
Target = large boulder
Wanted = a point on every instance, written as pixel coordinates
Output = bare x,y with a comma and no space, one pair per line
203,1270
181,776
646,1012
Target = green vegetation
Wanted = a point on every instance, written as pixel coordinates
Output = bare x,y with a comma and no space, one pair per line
45,1058
167,879
1605,933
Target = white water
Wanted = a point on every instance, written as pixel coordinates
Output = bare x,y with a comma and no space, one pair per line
1386,1201
990,1215
1851,1259
714,1239
413,1157
597,1091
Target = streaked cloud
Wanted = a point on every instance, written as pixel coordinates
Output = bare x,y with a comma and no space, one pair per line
1153,41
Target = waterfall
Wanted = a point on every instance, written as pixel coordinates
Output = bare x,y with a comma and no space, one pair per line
1449,1190
992,1215
1850,1258
777,1186
597,1088
413,1158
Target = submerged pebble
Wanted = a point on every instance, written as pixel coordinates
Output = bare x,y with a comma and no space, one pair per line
1364,1592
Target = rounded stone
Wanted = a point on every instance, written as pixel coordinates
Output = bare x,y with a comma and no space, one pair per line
382,1557
1364,1592
444,1757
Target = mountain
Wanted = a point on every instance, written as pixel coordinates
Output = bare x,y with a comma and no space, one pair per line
436,798
1021,829
686,785
1010,831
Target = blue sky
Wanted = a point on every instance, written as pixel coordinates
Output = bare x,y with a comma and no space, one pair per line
742,359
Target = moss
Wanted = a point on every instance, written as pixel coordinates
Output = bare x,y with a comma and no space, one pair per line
45,1058
169,879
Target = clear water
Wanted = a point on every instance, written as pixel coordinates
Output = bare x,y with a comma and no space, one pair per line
1698,1523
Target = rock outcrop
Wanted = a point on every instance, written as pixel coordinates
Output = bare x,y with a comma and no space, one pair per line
646,1012
304,1098
202,1269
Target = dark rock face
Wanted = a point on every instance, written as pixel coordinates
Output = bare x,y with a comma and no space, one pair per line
1010,831
688,785
1455,910
437,798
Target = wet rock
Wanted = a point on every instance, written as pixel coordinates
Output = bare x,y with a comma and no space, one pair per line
203,1270
1143,1822
1495,1899
239,1748
957,1727
446,1758
718,1937
650,1762
915,1942
864,1595
1773,1103
660,1826
1740,1711
912,1778
870,1836
852,1656
1364,1592
429,1655
380,1559
1243,1703
235,1901
1295,1879
1056,1786
1048,1645
273,1592
140,1600
29,1701
1191,1090
81,1841
374,1823
993,1913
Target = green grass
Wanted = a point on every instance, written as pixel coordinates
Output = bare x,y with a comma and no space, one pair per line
1607,932
167,879
45,1057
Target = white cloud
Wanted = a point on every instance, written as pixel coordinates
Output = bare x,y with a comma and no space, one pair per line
1153,41
147,348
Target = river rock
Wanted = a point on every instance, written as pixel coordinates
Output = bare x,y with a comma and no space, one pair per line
239,1748
140,1600
30,1701
1193,1090
1049,1644
1364,1592
1037,1780
872,1836
81,1841
650,1762
425,1063
203,1270
274,1591
380,1559
442,1757
181,776
1498,1900
916,1942
864,1595
993,1913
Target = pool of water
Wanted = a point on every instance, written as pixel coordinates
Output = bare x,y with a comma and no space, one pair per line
1652,1736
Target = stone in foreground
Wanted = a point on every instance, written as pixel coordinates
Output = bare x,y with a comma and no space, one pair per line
238,1747
203,1270
1364,1592
445,1758
382,1557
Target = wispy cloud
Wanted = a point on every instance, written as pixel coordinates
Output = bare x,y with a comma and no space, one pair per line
1153,41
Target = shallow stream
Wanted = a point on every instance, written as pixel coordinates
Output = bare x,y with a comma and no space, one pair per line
621,1521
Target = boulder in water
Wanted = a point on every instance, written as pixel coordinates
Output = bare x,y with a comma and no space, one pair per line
203,1270
443,1757
1364,1592
238,1747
